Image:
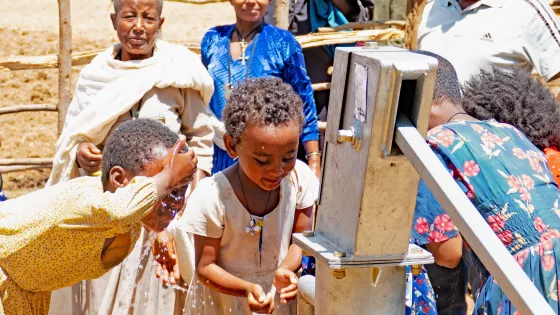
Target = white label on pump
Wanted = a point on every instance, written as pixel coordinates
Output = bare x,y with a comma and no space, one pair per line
360,92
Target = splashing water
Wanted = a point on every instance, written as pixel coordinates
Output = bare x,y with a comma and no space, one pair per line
145,251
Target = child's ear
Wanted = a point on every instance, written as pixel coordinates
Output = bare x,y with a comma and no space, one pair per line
114,20
118,177
230,146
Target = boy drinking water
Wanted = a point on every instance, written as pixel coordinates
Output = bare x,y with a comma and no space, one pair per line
243,217
81,228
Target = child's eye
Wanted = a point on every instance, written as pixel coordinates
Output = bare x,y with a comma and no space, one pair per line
287,160
262,162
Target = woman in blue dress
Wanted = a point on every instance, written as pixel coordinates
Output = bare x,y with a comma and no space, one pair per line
251,48
508,181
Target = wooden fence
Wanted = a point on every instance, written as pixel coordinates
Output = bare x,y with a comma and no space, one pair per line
63,62
65,59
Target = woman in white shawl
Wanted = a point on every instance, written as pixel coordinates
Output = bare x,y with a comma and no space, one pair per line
139,77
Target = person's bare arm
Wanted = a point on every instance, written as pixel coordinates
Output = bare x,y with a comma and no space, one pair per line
285,279
343,6
447,253
313,160
302,222
216,278
212,275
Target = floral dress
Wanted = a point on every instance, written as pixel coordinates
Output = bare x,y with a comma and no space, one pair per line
420,297
508,180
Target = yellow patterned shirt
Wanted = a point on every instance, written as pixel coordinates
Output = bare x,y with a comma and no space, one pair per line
54,237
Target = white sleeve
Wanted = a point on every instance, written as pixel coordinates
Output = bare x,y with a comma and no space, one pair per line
542,39
204,213
308,186
219,130
196,124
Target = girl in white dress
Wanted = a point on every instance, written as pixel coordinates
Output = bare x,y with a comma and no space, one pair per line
243,218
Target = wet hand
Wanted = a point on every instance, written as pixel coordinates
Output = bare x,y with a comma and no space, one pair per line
286,283
180,166
89,157
167,266
258,301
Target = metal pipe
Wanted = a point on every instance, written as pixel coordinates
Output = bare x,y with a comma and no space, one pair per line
493,254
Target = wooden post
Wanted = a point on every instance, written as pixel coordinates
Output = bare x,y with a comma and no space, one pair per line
414,10
282,14
64,61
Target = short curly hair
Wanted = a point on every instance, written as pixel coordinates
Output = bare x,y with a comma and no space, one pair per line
134,143
515,98
261,102
447,83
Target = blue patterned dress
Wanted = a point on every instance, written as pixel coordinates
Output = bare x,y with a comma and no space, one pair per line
507,179
277,54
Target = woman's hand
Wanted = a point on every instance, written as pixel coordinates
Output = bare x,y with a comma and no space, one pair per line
167,266
286,283
89,157
258,301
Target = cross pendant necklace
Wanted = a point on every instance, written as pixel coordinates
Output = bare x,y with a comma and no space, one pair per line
243,43
254,225
228,87
243,46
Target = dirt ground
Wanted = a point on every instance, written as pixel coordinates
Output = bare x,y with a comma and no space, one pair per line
31,29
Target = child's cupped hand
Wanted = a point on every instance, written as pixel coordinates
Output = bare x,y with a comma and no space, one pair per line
167,266
259,302
286,283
